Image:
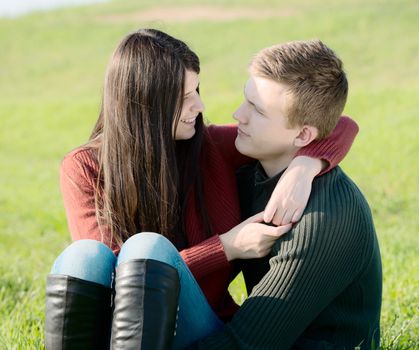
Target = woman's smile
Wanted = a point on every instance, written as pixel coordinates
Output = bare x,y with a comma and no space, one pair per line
190,121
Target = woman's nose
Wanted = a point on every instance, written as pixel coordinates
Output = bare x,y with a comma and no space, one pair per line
198,106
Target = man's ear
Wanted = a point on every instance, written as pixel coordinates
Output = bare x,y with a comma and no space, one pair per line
307,134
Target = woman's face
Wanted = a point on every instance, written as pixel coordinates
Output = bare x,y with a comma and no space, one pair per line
192,106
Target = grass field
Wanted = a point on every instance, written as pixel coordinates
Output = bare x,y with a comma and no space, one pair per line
52,67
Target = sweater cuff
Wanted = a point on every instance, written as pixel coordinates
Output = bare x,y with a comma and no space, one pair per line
335,147
324,150
205,257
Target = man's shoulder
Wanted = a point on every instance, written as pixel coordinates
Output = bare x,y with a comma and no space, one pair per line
340,203
337,182
337,220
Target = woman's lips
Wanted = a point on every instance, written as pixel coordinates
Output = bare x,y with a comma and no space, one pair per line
189,121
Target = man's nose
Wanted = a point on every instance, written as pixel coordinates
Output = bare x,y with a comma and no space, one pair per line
240,114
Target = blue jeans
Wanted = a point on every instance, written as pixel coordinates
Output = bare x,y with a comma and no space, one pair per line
93,261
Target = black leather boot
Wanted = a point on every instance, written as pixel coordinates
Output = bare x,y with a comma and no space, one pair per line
146,299
78,314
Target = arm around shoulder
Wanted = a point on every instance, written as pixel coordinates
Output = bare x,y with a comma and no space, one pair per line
336,146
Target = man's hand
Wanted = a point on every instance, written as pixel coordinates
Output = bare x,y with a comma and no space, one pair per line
291,194
251,239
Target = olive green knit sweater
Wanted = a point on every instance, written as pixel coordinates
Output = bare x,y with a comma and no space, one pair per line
321,286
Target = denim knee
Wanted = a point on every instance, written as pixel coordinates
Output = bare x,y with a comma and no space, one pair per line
149,245
87,259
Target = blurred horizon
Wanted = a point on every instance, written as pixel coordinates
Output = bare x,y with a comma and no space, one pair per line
23,7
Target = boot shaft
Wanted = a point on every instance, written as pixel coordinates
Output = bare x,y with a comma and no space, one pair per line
146,299
78,314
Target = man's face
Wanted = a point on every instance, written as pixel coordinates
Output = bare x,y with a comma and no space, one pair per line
263,131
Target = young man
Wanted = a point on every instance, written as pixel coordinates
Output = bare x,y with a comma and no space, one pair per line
320,288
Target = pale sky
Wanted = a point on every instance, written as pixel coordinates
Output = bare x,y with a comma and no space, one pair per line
13,8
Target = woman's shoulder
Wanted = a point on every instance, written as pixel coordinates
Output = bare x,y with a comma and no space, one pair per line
82,154
220,137
82,159
221,132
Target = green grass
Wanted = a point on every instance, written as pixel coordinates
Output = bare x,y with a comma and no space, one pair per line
52,68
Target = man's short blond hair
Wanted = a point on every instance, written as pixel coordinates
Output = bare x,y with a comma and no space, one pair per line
315,79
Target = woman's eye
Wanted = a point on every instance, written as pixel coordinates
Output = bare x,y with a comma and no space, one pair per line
188,95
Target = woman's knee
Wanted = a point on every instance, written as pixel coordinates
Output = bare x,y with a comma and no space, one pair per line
88,260
149,245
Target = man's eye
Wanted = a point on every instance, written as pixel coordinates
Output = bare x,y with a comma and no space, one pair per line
258,111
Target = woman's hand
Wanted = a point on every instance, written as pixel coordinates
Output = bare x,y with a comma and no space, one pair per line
251,239
291,194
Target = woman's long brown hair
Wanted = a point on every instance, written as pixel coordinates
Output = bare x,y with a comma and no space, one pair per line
145,176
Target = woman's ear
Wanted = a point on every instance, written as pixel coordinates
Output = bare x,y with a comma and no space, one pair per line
307,134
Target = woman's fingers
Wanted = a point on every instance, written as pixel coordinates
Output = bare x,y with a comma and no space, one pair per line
297,215
259,217
270,210
288,215
277,231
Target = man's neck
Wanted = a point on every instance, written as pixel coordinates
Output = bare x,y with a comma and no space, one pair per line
273,166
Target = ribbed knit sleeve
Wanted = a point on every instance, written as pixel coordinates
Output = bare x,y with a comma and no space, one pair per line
77,175
310,267
335,147
205,257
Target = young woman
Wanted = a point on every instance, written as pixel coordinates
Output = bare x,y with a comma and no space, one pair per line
152,165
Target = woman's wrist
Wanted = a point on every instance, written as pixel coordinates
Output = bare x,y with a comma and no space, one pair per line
307,166
226,243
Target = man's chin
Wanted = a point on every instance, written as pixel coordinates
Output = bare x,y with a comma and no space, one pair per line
242,148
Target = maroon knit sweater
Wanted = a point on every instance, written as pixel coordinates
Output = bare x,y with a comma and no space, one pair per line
205,257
